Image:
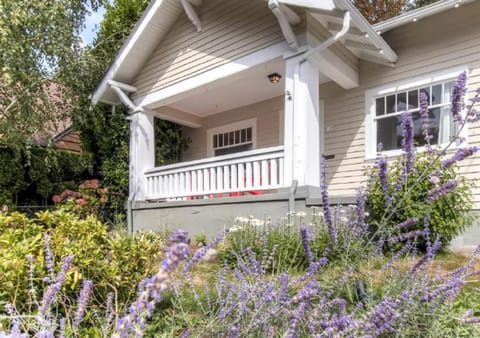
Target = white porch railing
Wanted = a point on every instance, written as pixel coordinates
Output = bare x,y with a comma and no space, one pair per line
253,170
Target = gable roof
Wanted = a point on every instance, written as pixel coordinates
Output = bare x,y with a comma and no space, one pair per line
418,14
162,14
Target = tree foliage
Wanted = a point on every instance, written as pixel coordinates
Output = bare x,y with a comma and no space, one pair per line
37,39
380,10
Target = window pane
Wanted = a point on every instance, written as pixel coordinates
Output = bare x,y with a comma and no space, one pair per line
413,99
390,104
425,90
380,106
237,136
418,125
437,94
249,134
447,127
244,135
231,138
447,95
215,144
401,102
225,139
389,132
220,140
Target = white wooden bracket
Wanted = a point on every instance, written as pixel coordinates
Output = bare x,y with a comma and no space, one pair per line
192,15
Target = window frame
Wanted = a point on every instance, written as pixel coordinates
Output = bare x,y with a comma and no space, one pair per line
249,123
393,88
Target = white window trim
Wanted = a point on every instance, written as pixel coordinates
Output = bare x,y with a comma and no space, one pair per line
370,95
250,123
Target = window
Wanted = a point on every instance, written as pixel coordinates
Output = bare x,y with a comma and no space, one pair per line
386,106
232,138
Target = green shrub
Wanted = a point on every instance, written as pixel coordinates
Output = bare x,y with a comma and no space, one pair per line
115,262
448,216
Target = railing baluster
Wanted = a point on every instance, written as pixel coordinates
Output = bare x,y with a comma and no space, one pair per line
274,172
176,184
160,186
281,171
256,174
241,176
200,181
213,179
265,179
233,177
220,186
248,175
194,182
188,182
182,184
226,178
171,185
206,180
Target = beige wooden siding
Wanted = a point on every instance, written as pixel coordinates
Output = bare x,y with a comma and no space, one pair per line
268,127
434,44
230,29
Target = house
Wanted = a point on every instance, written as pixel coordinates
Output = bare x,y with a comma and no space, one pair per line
264,88
58,131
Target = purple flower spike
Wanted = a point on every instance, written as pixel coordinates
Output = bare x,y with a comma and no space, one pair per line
458,95
407,141
382,174
306,244
406,224
424,113
327,210
152,289
83,302
439,192
53,289
461,154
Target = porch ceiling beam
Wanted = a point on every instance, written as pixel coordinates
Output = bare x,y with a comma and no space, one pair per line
176,116
336,69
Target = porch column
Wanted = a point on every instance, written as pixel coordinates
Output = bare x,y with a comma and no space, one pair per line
302,123
142,153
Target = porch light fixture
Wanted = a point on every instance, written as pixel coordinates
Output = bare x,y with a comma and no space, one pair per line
274,77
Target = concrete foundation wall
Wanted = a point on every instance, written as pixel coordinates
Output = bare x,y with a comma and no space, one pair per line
214,215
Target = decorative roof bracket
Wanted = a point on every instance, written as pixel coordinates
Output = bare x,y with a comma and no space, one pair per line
286,17
331,40
192,15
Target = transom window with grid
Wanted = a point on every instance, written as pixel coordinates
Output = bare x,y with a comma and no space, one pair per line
233,141
233,138
389,109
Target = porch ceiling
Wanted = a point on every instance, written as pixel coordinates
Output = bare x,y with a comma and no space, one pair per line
244,88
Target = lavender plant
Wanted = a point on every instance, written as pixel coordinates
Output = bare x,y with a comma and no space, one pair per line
426,184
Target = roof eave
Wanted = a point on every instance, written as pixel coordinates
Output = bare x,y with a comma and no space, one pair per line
366,27
417,14
126,48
